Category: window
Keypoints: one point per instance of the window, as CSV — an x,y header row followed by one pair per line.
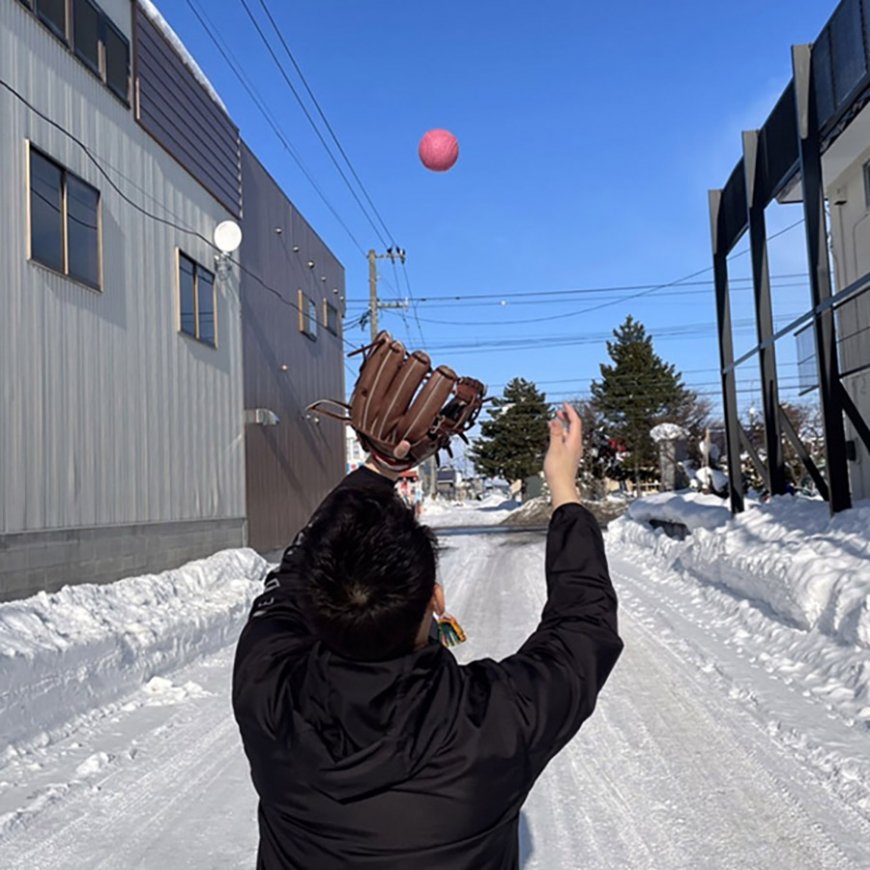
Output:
x,y
117,62
64,221
53,13
83,231
307,316
86,33
196,301
330,317
46,212
92,36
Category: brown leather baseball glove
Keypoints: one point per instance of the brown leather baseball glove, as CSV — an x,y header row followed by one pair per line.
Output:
x,y
399,398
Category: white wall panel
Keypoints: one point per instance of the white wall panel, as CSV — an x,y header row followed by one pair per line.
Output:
x,y
850,242
108,415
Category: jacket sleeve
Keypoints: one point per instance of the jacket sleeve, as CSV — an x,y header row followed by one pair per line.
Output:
x,y
277,628
557,674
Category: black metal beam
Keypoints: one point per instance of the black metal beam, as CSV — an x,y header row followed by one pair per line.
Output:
x,y
726,354
756,201
820,278
854,416
804,455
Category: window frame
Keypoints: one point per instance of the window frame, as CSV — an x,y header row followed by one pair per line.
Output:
x,y
866,175
46,22
98,69
109,25
197,268
105,25
327,307
64,174
307,315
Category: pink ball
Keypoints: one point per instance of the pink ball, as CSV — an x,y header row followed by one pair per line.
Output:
x,y
439,150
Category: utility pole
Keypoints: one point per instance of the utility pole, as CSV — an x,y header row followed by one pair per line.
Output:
x,y
392,255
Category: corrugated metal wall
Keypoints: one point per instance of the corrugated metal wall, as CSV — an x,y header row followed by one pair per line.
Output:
x,y
850,240
173,107
291,466
107,414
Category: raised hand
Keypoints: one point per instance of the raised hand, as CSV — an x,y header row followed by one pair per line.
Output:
x,y
563,456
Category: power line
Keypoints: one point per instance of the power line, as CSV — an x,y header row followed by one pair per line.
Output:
x,y
311,121
255,98
537,303
625,288
586,395
324,119
356,307
317,131
588,380
98,165
645,291
547,341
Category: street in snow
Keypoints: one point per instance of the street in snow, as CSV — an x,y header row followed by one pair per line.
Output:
x,y
725,737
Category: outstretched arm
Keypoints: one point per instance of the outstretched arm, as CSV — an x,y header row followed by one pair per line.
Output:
x,y
557,674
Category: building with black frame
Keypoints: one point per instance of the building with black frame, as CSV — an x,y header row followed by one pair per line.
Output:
x,y
814,148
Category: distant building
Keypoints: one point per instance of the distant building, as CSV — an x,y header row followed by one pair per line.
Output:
x,y
137,367
448,482
292,357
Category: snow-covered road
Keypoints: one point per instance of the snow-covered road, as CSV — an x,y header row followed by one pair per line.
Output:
x,y
697,756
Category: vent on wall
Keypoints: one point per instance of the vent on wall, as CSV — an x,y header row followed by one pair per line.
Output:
x,y
261,417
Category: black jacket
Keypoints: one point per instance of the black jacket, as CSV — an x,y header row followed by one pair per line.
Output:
x,y
417,762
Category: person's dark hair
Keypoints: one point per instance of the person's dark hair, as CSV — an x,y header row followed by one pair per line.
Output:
x,y
370,574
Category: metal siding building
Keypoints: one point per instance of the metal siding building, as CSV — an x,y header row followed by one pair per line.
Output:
x,y
846,166
289,466
811,149
121,439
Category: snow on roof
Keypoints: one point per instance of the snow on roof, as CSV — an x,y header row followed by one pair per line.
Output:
x,y
162,25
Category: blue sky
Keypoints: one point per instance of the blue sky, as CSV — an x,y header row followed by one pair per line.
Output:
x,y
589,135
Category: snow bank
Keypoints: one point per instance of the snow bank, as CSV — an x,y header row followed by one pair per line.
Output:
x,y
790,557
66,653
693,510
534,512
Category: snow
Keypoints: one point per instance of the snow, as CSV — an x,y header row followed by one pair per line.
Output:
x,y
693,510
668,432
712,478
809,569
66,653
735,730
442,513
172,37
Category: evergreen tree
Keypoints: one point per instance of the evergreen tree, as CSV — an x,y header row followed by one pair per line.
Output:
x,y
514,438
636,392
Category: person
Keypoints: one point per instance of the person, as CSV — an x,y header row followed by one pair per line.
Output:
x,y
369,745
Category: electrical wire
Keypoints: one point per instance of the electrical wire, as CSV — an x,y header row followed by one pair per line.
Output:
x,y
311,121
342,151
325,120
539,342
94,159
625,288
234,66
